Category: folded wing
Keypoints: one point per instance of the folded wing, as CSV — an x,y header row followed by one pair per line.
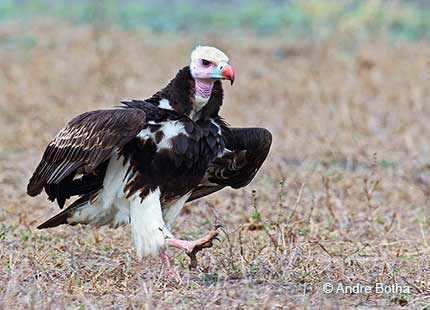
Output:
x,y
246,150
83,147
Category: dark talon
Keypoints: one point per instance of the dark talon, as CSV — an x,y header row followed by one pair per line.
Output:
x,y
193,260
217,239
219,226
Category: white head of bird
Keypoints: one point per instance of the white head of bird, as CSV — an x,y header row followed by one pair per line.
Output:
x,y
209,63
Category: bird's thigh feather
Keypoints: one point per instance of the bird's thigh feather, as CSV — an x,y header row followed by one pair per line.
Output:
x,y
148,228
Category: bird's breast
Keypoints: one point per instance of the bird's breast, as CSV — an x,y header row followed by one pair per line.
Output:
x,y
172,155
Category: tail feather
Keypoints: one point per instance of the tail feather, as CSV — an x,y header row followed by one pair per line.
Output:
x,y
61,218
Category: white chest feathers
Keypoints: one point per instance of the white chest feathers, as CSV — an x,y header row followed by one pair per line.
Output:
x,y
199,103
163,136
165,104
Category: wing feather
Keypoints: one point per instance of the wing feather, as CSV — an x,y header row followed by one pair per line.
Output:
x,y
87,141
247,149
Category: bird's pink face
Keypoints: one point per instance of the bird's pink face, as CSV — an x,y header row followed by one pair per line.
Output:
x,y
210,63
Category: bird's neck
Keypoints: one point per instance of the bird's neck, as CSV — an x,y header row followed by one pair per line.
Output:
x,y
210,106
203,92
203,88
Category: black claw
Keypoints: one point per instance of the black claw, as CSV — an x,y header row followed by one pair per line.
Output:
x,y
217,239
221,227
193,260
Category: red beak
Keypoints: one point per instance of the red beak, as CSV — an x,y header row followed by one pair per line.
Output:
x,y
228,74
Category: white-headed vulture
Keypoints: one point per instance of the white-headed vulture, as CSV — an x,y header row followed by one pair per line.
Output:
x,y
141,162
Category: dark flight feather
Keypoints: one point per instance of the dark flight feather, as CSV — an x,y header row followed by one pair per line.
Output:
x,y
247,150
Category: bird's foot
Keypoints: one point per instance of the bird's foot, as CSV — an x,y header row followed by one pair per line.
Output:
x,y
200,244
193,247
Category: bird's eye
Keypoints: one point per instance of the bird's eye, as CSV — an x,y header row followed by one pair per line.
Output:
x,y
205,62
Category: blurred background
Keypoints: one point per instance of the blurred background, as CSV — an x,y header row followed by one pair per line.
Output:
x,y
293,19
342,85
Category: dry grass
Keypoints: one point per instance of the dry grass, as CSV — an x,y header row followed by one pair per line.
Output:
x,y
343,197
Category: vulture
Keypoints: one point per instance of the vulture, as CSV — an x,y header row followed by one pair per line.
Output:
x,y
140,162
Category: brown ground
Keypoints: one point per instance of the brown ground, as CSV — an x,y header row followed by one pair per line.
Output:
x,y
343,196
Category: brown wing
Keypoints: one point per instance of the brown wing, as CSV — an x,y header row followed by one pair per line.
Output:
x,y
84,144
247,149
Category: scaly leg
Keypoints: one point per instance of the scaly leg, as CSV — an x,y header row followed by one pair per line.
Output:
x,y
194,246
166,266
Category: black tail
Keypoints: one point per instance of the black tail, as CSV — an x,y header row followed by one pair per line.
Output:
x,y
61,218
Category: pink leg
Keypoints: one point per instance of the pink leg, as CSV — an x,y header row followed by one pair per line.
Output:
x,y
165,260
179,244
166,266
193,247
